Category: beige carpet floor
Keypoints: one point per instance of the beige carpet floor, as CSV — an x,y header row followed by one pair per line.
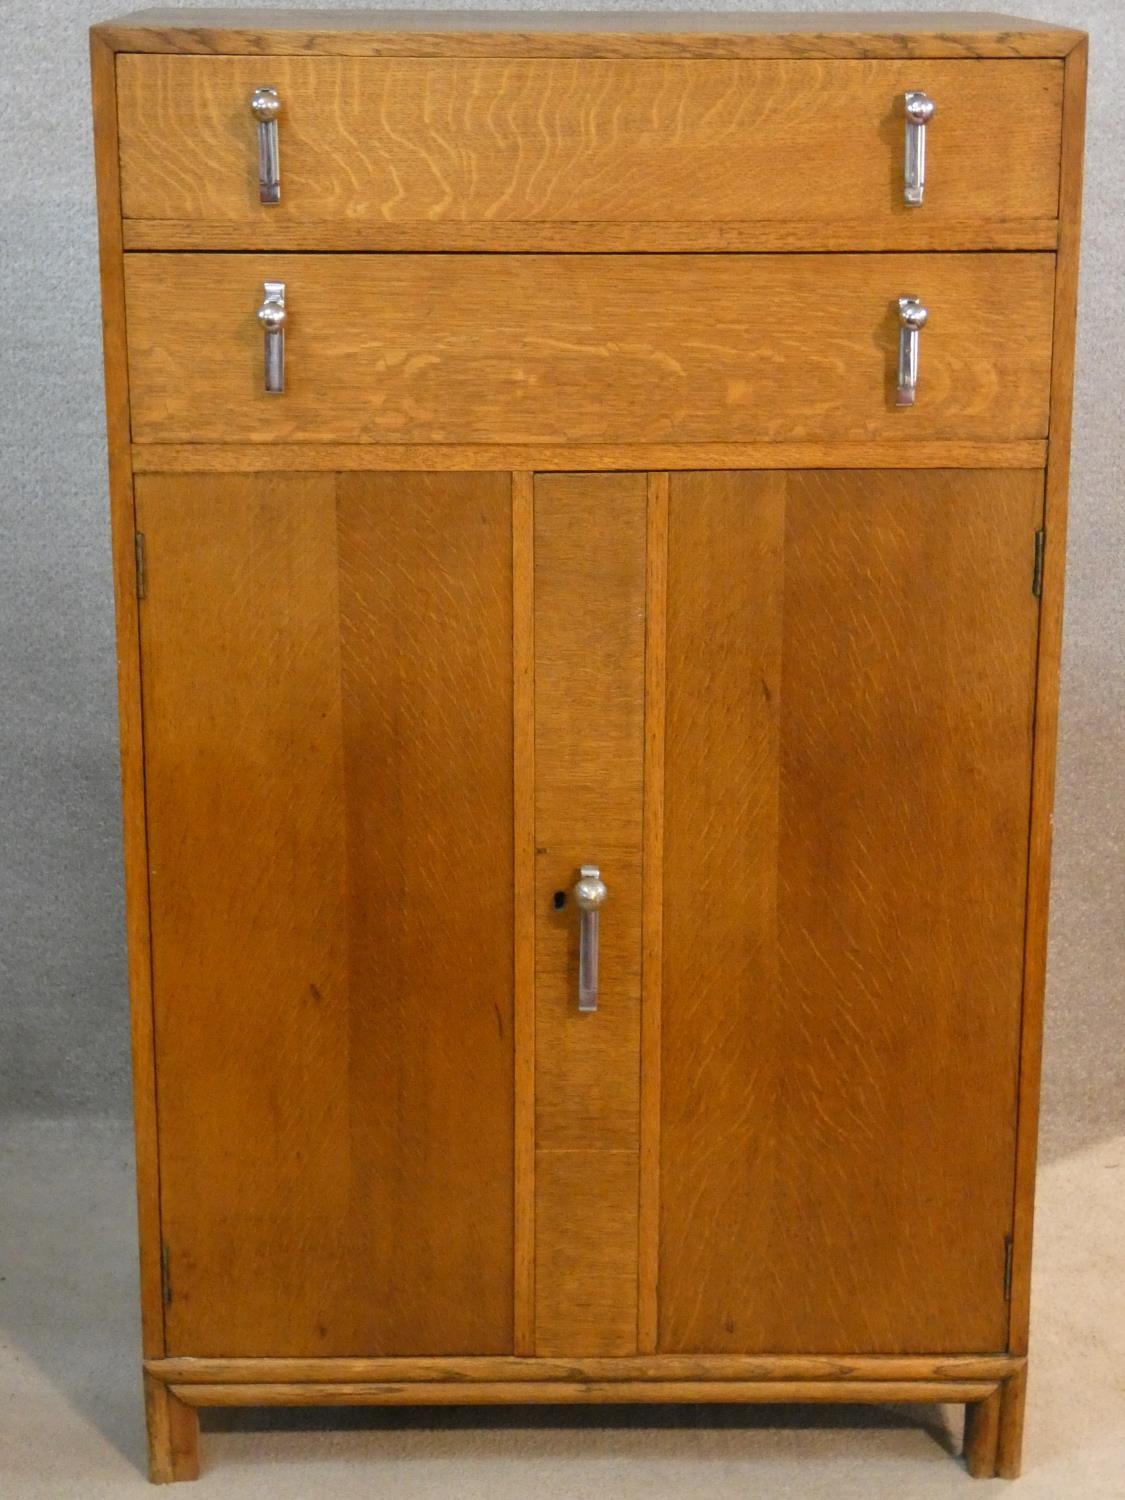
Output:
x,y
70,1414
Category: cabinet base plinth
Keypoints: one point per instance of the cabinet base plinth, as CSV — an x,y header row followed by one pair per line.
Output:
x,y
991,1387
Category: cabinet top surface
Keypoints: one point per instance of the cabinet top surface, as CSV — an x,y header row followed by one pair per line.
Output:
x,y
587,33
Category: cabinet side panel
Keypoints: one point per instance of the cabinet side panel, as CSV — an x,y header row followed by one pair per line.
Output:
x,y
328,706
1047,689
839,1095
123,529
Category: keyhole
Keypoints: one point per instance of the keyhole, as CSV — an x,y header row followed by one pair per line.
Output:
x,y
559,900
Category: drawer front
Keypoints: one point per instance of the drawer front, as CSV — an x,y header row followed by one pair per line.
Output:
x,y
587,348
539,141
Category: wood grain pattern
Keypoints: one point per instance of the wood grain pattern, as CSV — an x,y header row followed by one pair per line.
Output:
x,y
850,663
584,34
586,1251
426,601
328,707
890,233
589,767
720,951
587,348
228,458
608,1392
656,1367
130,724
584,140
1046,726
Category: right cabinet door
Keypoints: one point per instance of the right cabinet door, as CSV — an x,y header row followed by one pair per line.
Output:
x,y
847,771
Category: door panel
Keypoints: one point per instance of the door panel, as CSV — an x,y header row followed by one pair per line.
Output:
x,y
327,669
589,762
850,666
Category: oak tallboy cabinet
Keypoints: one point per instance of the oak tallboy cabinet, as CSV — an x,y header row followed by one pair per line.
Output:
x,y
588,506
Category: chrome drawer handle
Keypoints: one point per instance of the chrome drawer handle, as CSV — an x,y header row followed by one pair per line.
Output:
x,y
589,894
919,113
271,315
912,319
265,106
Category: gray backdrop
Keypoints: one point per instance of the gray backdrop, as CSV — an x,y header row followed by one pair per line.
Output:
x,y
63,1006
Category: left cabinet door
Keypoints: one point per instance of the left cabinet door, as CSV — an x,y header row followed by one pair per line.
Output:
x,y
327,685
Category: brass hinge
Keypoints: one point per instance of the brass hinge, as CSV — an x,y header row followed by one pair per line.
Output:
x,y
165,1277
1037,569
139,549
1007,1268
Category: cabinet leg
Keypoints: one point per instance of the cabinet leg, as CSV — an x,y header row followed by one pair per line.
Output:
x,y
982,1434
1013,1395
173,1435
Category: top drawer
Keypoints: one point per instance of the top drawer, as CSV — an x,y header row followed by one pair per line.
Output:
x,y
412,151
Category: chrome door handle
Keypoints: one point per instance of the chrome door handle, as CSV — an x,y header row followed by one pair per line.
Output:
x,y
265,106
919,113
589,895
271,315
912,319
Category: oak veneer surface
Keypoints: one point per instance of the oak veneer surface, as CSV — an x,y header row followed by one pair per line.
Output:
x,y
584,349
327,671
586,140
850,692
589,767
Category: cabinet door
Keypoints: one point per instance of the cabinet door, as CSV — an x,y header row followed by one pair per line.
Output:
x,y
327,669
850,663
590,579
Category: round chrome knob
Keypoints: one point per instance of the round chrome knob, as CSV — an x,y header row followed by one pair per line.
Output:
x,y
265,104
590,891
271,315
911,313
919,108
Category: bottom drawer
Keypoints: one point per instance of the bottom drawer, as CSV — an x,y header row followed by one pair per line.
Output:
x,y
587,348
